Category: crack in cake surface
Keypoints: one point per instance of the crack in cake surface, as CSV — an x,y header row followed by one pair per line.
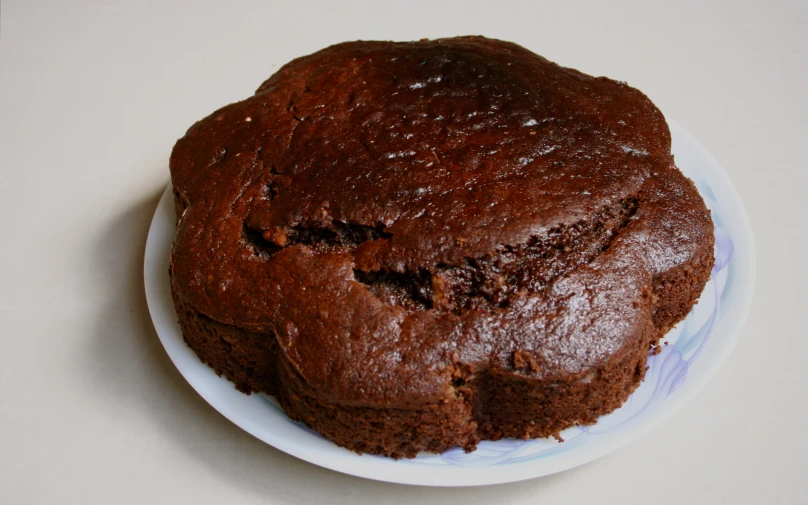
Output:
x,y
483,283
339,237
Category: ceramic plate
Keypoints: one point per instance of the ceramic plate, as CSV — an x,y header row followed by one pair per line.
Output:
x,y
696,348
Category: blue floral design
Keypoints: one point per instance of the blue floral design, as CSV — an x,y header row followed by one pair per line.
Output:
x,y
488,453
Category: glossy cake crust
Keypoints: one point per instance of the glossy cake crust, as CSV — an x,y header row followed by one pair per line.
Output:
x,y
415,246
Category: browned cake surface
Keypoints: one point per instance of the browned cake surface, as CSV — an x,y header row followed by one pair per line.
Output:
x,y
415,246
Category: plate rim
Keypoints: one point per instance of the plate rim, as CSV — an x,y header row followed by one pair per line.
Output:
x,y
379,468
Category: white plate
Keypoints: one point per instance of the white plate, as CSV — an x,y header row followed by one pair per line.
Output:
x,y
696,349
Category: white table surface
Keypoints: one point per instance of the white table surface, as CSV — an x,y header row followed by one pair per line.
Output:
x,y
92,97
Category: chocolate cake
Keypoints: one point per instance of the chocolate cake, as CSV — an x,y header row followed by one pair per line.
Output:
x,y
415,246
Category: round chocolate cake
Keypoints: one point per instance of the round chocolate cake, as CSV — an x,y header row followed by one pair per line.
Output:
x,y
416,246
